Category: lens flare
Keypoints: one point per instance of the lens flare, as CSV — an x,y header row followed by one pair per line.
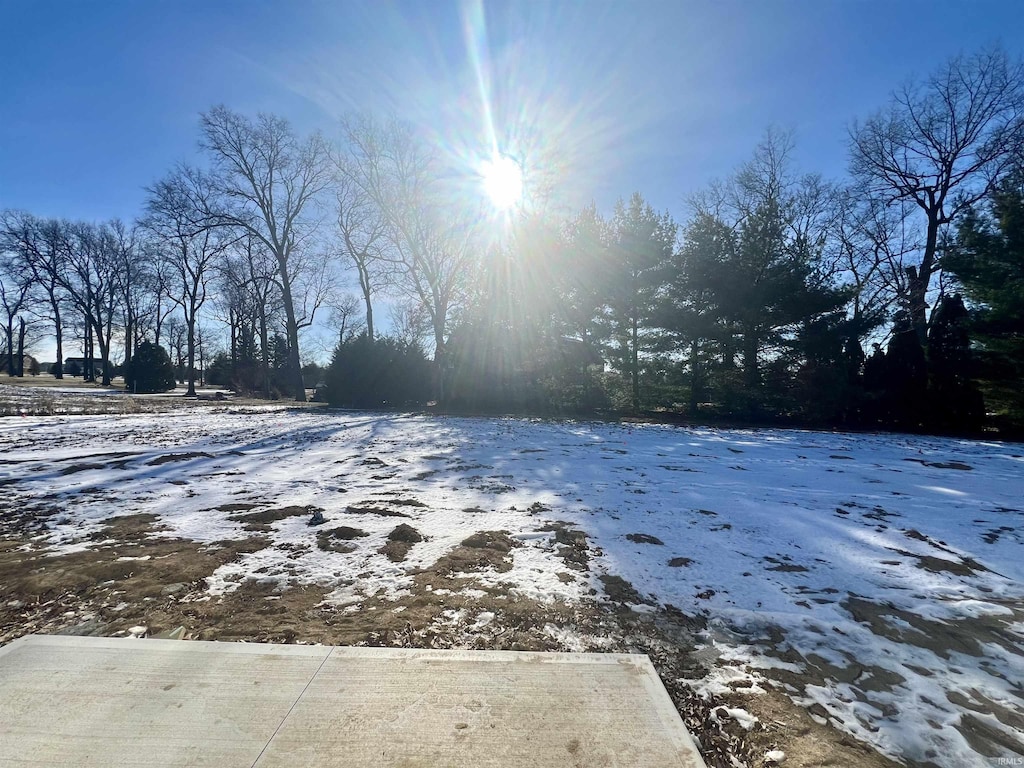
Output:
x,y
502,180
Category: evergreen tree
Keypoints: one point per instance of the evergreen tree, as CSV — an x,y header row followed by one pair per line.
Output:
x,y
383,372
987,259
640,242
904,376
150,370
688,311
956,402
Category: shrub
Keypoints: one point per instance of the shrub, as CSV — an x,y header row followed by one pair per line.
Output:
x,y
384,372
150,370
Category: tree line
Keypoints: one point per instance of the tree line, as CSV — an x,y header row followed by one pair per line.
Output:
x,y
890,298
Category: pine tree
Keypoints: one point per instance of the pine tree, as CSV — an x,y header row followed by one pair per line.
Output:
x,y
639,244
955,401
150,370
987,259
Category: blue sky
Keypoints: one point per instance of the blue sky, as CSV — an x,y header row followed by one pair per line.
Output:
x,y
99,99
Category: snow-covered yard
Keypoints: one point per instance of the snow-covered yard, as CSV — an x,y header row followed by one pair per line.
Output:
x,y
878,579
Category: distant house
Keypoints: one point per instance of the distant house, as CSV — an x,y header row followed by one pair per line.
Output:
x,y
74,366
29,363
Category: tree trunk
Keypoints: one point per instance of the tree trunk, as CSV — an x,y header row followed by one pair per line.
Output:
x,y
751,372
439,352
21,349
728,349
919,279
695,378
9,330
104,345
190,322
88,372
294,366
104,337
129,339
265,353
634,364
233,324
58,370
364,284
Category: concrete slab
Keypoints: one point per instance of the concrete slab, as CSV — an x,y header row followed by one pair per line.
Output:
x,y
112,702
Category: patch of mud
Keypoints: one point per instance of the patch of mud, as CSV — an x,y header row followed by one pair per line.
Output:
x,y
369,509
959,565
337,539
784,565
96,593
619,590
483,550
171,457
943,464
260,521
131,568
235,507
968,636
76,468
400,541
572,545
644,538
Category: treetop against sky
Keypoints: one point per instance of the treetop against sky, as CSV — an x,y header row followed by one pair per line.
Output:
x,y
599,98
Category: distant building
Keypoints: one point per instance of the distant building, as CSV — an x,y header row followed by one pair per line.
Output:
x,y
74,366
29,363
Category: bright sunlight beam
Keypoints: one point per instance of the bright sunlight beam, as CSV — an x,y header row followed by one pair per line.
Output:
x,y
503,181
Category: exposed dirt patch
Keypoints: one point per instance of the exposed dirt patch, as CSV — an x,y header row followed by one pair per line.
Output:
x,y
363,509
235,507
679,562
170,457
943,464
643,538
785,565
807,744
260,521
573,547
482,550
406,503
75,468
619,590
399,542
96,593
337,539
95,588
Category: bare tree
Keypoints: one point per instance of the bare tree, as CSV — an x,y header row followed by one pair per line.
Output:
x,y
269,181
364,230
90,277
345,316
132,281
40,246
254,301
942,143
159,280
869,244
15,283
175,215
433,243
410,322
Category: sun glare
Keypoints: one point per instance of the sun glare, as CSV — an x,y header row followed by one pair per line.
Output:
x,y
503,181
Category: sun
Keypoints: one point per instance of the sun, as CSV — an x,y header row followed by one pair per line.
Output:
x,y
502,179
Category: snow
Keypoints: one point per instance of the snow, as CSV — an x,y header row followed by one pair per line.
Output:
x,y
829,562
